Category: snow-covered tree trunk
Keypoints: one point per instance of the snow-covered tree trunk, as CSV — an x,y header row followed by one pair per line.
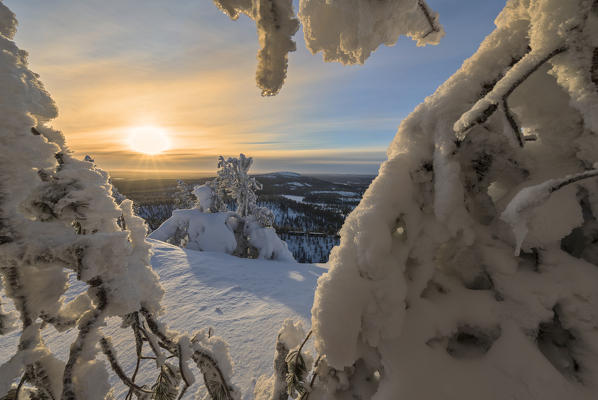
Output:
x,y
425,297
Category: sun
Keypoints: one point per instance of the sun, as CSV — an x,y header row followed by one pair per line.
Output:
x,y
149,139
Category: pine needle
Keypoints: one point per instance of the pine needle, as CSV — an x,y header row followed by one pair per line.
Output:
x,y
167,384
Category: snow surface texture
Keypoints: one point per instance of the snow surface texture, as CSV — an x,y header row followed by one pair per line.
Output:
x,y
347,31
425,298
244,301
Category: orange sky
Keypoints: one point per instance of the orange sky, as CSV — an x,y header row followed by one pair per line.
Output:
x,y
112,65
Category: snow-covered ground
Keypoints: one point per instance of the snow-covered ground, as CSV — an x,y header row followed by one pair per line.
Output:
x,y
298,199
245,301
339,192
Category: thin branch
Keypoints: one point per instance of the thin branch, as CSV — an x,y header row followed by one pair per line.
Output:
x,y
594,68
153,345
109,352
574,178
138,351
534,68
461,126
426,11
21,383
183,392
181,368
305,395
511,119
304,341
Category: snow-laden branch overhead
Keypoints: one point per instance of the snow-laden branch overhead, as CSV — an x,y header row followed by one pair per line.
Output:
x,y
347,31
276,24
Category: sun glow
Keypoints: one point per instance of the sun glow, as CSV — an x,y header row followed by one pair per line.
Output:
x,y
150,140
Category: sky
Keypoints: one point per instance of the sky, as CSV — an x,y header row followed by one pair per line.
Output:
x,y
116,65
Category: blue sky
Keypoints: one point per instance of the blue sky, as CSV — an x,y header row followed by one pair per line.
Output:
x,y
185,66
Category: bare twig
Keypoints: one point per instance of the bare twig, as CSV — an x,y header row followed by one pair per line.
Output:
x,y
181,368
109,352
21,383
426,11
594,69
573,178
305,395
138,350
511,119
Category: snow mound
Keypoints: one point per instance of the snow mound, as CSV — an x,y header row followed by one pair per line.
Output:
x,y
220,232
205,231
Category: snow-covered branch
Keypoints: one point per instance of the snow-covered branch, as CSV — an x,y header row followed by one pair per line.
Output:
x,y
347,31
499,95
520,208
110,354
276,24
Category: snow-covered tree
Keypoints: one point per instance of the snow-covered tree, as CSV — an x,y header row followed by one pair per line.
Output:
x,y
58,223
183,196
347,31
470,268
233,179
246,232
116,195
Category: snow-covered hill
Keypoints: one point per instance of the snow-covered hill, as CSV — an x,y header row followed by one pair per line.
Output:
x,y
245,301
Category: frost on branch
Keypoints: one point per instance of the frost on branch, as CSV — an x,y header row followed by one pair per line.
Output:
x,y
424,298
276,24
347,31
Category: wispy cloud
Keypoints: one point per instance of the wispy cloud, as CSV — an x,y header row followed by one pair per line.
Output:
x,y
113,64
